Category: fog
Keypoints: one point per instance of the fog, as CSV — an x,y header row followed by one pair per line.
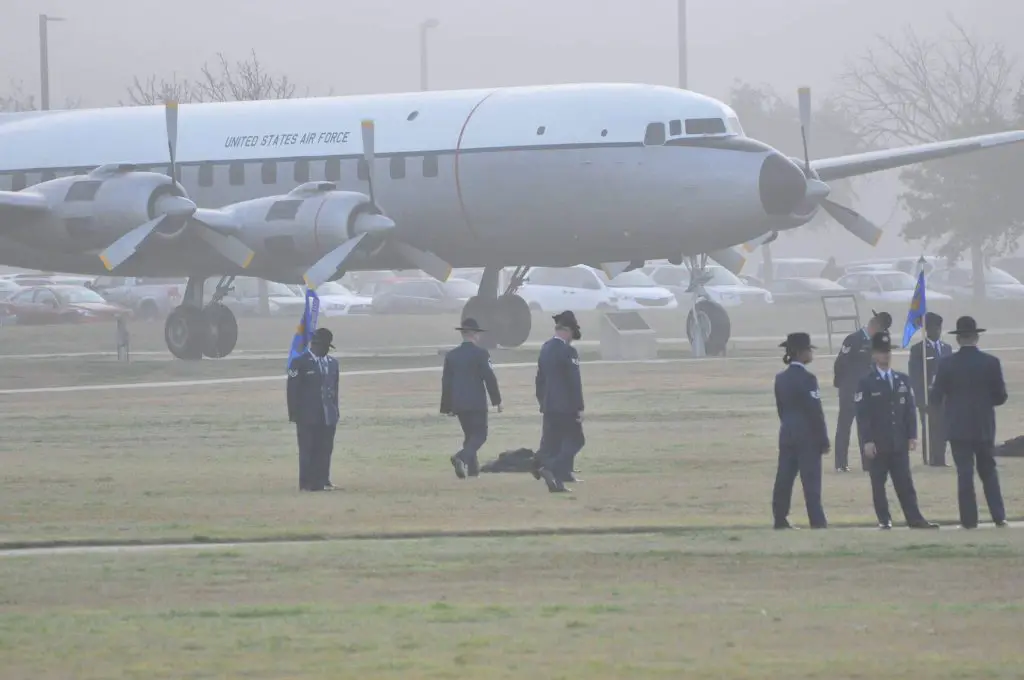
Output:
x,y
360,46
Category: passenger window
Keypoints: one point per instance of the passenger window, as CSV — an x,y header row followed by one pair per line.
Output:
x,y
398,167
705,126
18,181
332,170
236,174
541,130
430,165
48,175
675,128
268,172
206,175
362,170
301,171
655,135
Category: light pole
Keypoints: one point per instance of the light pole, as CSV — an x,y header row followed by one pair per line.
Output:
x,y
424,27
682,44
44,61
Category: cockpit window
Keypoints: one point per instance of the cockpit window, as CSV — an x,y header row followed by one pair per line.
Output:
x,y
655,135
675,128
705,126
735,127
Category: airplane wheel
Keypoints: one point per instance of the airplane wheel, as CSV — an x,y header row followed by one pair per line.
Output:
x,y
222,333
185,332
715,325
513,321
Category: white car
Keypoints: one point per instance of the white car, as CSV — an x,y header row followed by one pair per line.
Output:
x,y
337,300
583,288
887,285
725,288
959,282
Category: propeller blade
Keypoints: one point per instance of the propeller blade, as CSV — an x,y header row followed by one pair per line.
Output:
x,y
124,247
426,262
372,223
368,140
228,246
171,114
328,265
817,190
613,269
730,258
853,222
754,244
804,100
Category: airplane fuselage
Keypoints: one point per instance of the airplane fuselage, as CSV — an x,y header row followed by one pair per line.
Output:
x,y
548,176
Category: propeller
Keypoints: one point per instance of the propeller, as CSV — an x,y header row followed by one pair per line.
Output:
x,y
373,229
817,191
171,208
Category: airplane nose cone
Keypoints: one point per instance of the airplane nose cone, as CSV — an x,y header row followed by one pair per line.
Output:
x,y
782,185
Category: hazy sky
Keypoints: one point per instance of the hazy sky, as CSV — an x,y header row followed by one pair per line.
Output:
x,y
358,46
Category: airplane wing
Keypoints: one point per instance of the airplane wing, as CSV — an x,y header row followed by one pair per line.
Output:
x,y
18,203
875,161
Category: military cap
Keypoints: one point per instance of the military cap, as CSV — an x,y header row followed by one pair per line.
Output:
x,y
932,320
881,342
884,319
966,325
323,335
566,320
796,342
469,324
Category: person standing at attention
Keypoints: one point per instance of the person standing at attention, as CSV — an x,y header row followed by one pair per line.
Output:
x,y
887,424
313,407
934,444
560,396
969,385
852,363
466,382
803,434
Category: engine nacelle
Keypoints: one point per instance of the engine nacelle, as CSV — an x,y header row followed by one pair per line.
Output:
x,y
91,211
302,225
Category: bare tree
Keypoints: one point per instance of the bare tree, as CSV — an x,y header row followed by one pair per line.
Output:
x,y
19,100
242,81
156,91
917,91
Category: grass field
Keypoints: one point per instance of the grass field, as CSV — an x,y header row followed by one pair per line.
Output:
x,y
681,445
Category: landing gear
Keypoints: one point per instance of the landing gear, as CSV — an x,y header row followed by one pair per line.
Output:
x,y
506,317
193,331
707,325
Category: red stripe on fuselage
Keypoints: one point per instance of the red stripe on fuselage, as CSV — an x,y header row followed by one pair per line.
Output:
x,y
458,149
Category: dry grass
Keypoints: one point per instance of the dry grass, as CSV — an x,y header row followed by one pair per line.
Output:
x,y
668,444
741,604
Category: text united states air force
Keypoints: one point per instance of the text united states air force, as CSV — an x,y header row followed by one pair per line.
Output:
x,y
322,138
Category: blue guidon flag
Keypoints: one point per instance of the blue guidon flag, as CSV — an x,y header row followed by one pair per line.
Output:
x,y
307,326
918,308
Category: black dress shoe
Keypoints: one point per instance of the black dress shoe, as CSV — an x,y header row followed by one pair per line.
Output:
x,y
1002,524
923,524
885,525
460,467
785,525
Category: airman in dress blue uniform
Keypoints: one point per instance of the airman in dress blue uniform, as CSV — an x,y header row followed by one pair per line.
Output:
x,y
933,447
466,382
852,363
803,434
313,407
887,424
969,385
560,396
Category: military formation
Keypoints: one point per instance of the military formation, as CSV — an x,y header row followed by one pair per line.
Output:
x,y
953,394
949,395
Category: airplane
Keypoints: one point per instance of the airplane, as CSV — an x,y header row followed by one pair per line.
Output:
x,y
292,191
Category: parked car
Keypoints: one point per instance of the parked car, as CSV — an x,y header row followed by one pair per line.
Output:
x,y
794,291
423,296
149,298
45,305
636,291
337,300
959,282
793,268
886,285
582,288
725,288
244,297
8,288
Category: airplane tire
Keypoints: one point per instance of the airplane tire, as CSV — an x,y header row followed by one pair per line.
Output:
x,y
185,332
514,321
713,317
222,331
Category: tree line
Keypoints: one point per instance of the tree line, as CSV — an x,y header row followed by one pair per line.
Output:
x,y
905,89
